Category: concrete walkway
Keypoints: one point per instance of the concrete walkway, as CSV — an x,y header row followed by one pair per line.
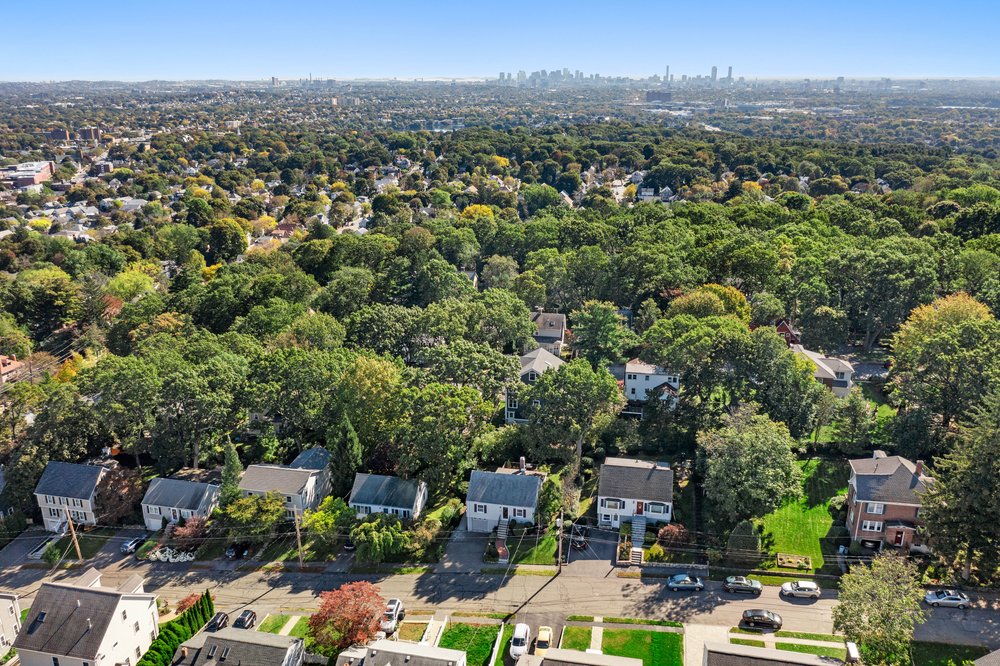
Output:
x,y
597,634
287,629
433,632
695,637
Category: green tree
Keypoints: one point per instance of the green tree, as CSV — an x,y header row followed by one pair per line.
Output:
x,y
855,423
232,470
346,455
331,522
14,341
600,334
824,328
749,467
879,607
129,389
225,240
499,272
379,538
255,515
472,364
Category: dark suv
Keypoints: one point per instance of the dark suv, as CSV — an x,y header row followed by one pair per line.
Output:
x,y
218,621
735,584
246,620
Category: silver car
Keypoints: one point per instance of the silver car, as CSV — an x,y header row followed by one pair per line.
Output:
x,y
680,582
948,598
801,588
393,615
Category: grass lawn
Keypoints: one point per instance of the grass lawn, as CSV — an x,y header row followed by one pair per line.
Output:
x,y
818,650
803,527
508,633
833,638
272,624
580,618
475,639
576,638
24,613
882,407
411,631
651,623
653,647
939,654
91,541
747,641
533,549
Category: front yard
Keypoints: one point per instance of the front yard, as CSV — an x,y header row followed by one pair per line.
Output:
x,y
91,541
576,638
661,648
943,654
806,527
476,639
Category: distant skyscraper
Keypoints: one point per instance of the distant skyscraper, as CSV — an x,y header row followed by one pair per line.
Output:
x,y
715,74
729,75
666,76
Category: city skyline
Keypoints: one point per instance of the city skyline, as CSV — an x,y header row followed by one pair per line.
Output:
x,y
448,40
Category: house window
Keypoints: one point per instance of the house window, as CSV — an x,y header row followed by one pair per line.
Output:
x,y
536,403
633,390
138,652
875,508
479,508
871,526
532,376
288,500
520,513
136,627
511,415
406,514
630,376
124,615
839,375
656,508
55,661
155,510
512,402
613,504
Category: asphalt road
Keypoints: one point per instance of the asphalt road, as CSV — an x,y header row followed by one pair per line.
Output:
x,y
525,596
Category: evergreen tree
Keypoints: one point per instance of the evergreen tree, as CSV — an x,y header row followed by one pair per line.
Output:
x,y
342,441
232,470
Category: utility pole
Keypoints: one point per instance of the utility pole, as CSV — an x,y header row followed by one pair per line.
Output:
x,y
72,533
560,525
298,539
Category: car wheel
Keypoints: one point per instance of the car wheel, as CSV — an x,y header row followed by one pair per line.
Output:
x,y
676,589
936,605
961,607
698,589
751,624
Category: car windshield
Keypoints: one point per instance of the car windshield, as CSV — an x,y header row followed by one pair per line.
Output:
x,y
517,642
388,615
940,594
543,644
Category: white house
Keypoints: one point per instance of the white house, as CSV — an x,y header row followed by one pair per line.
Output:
x,y
82,623
834,373
375,493
629,489
533,365
550,331
240,647
67,487
501,495
10,621
171,500
300,488
644,381
384,652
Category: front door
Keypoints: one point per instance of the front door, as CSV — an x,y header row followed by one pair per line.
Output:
x,y
899,538
638,508
506,513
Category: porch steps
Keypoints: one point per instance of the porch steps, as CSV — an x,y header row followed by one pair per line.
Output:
x,y
503,528
635,555
638,538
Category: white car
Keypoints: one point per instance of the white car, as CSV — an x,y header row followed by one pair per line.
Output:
x,y
393,614
520,641
801,588
949,598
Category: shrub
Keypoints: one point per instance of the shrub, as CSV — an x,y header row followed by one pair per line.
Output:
x,y
188,602
656,553
672,535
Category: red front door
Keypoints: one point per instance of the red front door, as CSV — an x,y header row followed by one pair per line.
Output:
x,y
638,508
899,538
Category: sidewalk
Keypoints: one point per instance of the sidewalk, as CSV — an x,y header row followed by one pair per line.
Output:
x,y
695,637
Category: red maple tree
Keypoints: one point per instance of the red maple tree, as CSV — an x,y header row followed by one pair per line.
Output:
x,y
349,615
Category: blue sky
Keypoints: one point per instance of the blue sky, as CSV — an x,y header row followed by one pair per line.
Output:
x,y
256,39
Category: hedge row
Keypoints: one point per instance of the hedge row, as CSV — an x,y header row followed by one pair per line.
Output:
x,y
172,634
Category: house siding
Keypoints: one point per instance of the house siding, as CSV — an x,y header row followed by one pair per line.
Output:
x,y
10,622
414,511
486,520
629,509
153,514
899,537
54,508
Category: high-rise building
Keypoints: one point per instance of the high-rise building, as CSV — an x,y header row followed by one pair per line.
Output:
x,y
729,75
715,74
666,76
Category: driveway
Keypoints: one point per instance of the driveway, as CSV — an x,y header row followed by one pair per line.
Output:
x,y
110,553
464,552
597,558
16,552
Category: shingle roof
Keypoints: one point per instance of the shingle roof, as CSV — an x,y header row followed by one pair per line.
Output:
x,y
376,489
61,479
539,360
890,479
636,479
315,458
180,494
549,325
283,480
560,657
720,654
246,648
393,653
991,659
504,489
75,620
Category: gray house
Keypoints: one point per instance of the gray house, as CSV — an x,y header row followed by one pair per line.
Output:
x,y
174,499
300,488
550,331
384,652
375,493
634,489
501,495
240,648
317,459
67,487
10,621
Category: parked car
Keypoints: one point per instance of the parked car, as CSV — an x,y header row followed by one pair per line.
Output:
x,y
349,546
759,617
580,534
132,545
948,598
218,621
246,620
801,588
520,641
680,582
543,641
735,584
393,614
238,551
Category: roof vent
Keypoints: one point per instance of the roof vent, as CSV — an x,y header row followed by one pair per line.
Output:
x,y
211,651
77,603
41,617
89,625
225,653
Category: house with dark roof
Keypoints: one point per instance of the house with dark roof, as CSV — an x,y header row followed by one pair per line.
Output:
x,y
563,657
301,488
834,373
384,652
68,488
533,365
317,459
240,647
80,622
167,501
550,331
883,501
10,621
726,654
629,489
504,495
376,493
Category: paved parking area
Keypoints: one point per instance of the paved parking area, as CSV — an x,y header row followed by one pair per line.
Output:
x,y
464,552
16,552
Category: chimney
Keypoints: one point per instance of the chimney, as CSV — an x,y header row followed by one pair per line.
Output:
x,y
77,603
919,471
184,652
878,453
89,625
523,465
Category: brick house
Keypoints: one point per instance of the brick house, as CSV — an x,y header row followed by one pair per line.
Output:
x,y
883,501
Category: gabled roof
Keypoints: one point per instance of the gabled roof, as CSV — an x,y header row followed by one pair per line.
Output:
x,y
315,458
539,360
724,654
504,489
636,479
379,490
891,479
641,367
549,325
384,652
62,479
180,494
241,647
283,480
71,620
561,657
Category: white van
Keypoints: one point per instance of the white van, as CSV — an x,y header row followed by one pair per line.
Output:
x,y
520,641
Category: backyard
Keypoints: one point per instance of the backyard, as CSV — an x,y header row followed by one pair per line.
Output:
x,y
475,639
806,526
653,647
